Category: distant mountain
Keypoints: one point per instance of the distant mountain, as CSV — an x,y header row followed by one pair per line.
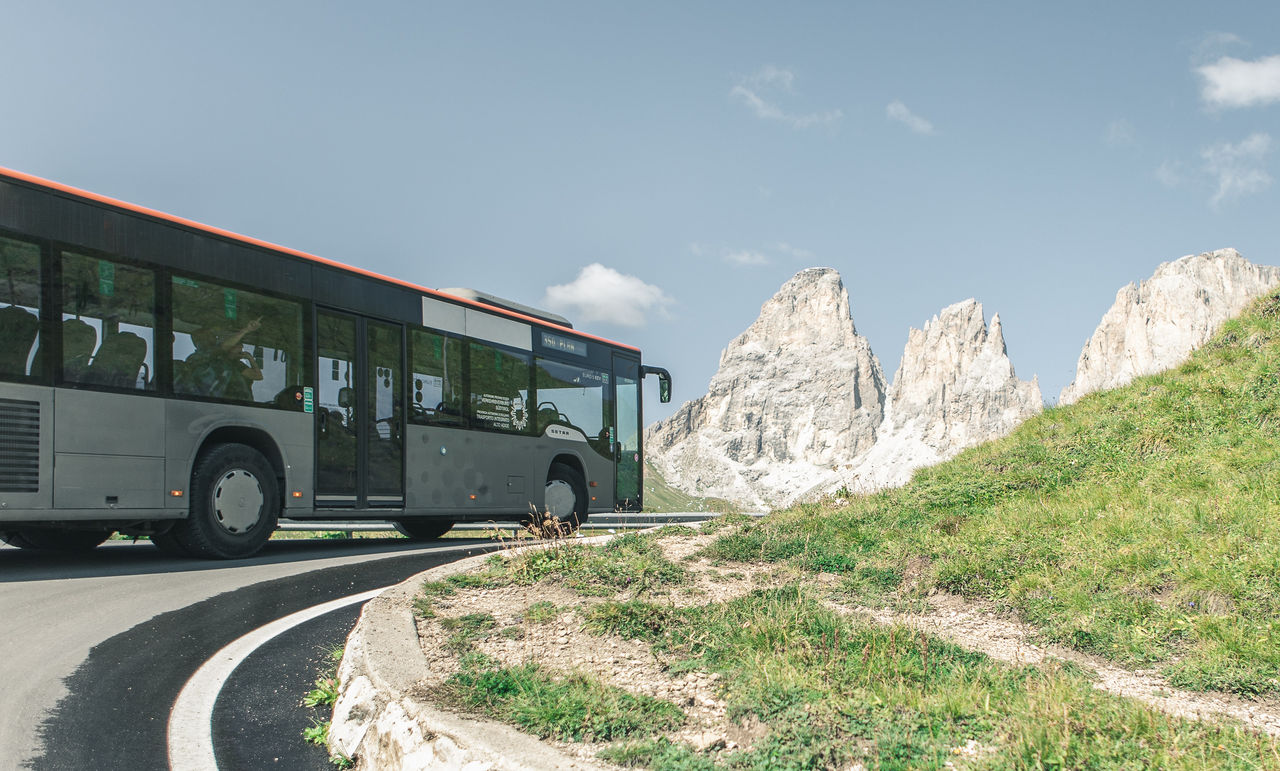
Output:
x,y
955,388
796,394
1156,324
800,403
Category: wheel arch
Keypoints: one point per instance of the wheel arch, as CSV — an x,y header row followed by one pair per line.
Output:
x,y
250,437
571,460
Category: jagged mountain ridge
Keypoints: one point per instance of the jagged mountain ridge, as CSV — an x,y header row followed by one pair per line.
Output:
x,y
800,397
1155,324
955,388
795,393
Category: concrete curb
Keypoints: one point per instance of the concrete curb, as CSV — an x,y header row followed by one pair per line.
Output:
x,y
379,721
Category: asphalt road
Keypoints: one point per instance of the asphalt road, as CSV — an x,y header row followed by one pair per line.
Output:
x,y
97,647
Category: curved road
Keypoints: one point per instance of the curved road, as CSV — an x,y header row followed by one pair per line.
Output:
x,y
97,647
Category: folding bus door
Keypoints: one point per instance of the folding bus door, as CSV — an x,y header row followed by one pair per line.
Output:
x,y
359,412
627,457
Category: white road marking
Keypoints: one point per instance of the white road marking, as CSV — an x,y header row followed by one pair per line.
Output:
x,y
191,721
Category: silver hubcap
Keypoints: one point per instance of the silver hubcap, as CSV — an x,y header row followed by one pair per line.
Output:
x,y
237,501
559,498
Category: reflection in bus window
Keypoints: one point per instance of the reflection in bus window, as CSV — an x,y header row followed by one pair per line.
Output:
x,y
384,393
576,397
627,385
499,389
437,390
237,345
116,302
19,309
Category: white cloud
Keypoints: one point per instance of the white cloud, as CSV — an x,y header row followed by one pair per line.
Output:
x,y
1216,44
761,90
1119,133
1231,82
898,111
770,75
746,257
1238,169
604,294
794,251
1169,173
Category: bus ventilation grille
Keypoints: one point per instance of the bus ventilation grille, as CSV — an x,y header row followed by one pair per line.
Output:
x,y
19,446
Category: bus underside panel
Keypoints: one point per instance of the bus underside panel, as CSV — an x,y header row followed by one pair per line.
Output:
x,y
87,456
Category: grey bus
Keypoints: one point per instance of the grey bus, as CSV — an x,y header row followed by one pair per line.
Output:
x,y
165,379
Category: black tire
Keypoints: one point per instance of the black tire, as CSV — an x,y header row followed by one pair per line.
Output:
x,y
424,529
168,544
235,504
555,502
55,539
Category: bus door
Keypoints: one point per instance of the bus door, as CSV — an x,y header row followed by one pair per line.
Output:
x,y
627,459
359,412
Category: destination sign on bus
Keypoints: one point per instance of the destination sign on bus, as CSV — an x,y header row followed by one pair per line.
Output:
x,y
564,344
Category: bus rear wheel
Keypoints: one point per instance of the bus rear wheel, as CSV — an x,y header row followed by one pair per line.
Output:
x,y
424,529
565,496
53,539
235,504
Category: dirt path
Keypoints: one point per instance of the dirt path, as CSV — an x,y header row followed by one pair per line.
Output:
x,y
978,627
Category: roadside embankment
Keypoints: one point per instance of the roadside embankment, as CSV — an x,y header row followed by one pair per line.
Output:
x,y
381,719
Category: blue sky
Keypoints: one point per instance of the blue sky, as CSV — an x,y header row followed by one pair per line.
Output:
x,y
698,154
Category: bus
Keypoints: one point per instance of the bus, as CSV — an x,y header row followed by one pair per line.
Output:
x,y
162,378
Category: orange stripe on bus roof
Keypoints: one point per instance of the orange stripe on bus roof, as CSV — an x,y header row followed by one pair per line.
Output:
x,y
31,178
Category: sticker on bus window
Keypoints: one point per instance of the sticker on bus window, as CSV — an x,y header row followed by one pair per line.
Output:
x,y
229,303
106,278
308,400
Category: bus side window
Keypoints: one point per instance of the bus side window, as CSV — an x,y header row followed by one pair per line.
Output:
x,y
236,345
19,309
436,389
108,312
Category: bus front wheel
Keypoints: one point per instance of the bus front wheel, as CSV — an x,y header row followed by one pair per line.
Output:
x,y
565,497
235,504
423,529
51,539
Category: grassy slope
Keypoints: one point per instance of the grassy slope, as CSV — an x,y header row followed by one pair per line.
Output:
x,y
661,497
1142,524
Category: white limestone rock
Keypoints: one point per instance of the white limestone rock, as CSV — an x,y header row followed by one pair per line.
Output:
x,y
1156,324
955,388
798,393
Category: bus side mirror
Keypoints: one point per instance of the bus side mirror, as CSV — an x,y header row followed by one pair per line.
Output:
x,y
664,382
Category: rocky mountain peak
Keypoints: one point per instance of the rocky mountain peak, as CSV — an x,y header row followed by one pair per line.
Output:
x,y
954,388
798,391
810,309
800,402
1155,324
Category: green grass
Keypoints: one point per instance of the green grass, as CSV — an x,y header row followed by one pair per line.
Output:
x,y
568,707
833,691
465,630
1141,524
628,563
319,702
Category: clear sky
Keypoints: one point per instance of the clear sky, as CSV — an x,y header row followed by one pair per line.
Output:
x,y
657,170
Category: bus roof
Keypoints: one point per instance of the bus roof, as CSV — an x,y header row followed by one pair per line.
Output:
x,y
184,222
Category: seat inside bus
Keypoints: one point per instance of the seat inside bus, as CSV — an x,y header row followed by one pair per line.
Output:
x,y
118,361
18,328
